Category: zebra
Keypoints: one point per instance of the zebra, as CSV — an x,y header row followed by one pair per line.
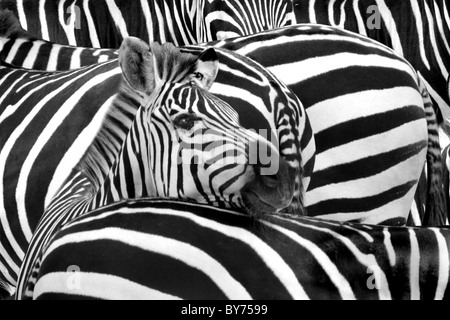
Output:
x,y
417,29
52,120
192,251
105,23
20,48
328,194
96,183
172,149
332,58
203,21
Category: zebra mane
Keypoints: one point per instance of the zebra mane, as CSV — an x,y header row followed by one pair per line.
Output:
x,y
10,26
5,288
102,153
174,63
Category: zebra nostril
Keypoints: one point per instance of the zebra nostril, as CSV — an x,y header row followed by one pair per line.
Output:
x,y
270,181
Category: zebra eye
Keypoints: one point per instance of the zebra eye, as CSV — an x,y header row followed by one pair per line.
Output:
x,y
197,78
186,121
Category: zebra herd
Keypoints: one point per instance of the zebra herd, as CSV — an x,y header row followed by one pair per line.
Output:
x,y
224,149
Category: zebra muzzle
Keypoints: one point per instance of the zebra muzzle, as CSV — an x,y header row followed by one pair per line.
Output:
x,y
270,192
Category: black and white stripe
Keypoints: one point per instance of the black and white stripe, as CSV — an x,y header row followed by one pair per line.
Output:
x,y
138,161
417,29
20,48
105,23
366,105
342,53
189,251
44,131
58,115
43,55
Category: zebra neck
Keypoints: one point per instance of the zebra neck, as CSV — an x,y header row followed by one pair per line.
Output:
x,y
130,176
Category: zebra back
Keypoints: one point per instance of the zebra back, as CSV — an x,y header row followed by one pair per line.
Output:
x,y
331,57
22,49
56,117
265,46
105,23
187,251
419,30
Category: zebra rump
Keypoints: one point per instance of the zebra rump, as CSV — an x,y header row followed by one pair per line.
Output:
x,y
106,23
340,72
159,249
21,48
419,30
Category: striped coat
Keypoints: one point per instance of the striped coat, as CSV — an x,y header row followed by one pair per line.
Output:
x,y
419,30
343,53
187,251
105,23
347,84
53,123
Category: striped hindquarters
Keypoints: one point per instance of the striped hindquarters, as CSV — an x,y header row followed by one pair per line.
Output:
x,y
367,114
46,120
22,49
184,251
105,23
229,19
419,30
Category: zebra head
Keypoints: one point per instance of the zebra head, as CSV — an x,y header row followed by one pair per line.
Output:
x,y
189,143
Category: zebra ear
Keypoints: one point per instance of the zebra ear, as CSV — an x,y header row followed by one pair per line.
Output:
x,y
137,64
207,68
